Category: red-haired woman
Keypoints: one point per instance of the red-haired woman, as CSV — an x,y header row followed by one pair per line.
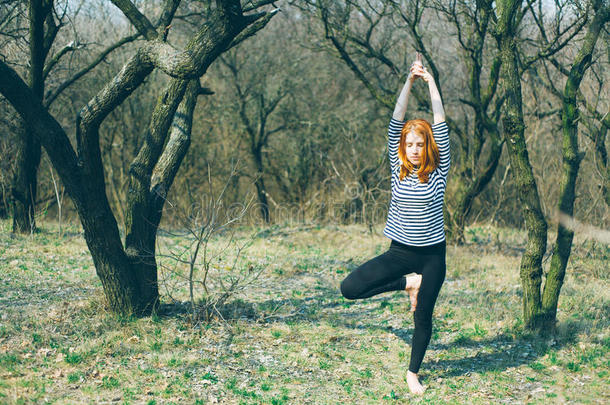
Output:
x,y
419,159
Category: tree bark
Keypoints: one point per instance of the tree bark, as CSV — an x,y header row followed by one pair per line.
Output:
x,y
513,132
571,158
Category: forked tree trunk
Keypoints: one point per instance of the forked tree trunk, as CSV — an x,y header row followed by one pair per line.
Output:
x,y
571,163
128,274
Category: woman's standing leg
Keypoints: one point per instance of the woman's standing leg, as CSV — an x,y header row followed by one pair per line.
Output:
x,y
433,276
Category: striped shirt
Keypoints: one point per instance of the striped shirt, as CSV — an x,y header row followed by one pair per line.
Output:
x,y
415,216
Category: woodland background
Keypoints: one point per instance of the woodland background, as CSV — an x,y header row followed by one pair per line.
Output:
x,y
322,153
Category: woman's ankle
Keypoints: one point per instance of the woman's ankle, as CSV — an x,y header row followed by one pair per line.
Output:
x,y
413,382
413,282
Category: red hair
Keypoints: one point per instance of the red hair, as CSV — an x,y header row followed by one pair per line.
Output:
x,y
430,157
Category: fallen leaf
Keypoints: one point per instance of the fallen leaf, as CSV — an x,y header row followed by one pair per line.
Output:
x,y
133,339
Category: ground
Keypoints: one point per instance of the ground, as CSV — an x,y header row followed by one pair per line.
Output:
x,y
290,337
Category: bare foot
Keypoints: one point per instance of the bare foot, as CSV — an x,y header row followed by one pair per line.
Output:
x,y
414,386
413,283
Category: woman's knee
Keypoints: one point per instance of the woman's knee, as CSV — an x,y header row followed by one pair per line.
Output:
x,y
348,289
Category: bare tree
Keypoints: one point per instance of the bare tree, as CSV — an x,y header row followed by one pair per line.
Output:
x,y
596,119
598,133
510,15
571,155
45,21
257,102
128,272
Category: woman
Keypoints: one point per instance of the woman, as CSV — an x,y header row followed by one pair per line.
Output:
x,y
419,159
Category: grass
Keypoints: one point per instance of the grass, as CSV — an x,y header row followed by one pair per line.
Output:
x,y
291,338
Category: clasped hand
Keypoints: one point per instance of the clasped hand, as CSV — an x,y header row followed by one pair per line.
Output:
x,y
418,70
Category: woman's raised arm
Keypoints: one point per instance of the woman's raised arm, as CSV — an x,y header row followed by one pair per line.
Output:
x,y
437,103
397,120
401,104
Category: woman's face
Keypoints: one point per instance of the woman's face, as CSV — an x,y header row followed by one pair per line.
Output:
x,y
415,148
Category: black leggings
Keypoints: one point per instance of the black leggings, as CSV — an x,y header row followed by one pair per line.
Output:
x,y
386,272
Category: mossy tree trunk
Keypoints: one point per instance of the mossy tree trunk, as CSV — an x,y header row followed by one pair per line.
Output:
x,y
571,158
513,132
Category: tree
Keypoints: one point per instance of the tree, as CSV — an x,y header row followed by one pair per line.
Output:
x,y
472,22
45,23
598,135
538,311
128,272
509,16
571,158
256,103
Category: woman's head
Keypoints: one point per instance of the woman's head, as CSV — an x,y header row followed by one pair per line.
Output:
x,y
417,150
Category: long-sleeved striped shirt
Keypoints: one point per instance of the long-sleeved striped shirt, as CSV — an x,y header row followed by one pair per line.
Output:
x,y
415,216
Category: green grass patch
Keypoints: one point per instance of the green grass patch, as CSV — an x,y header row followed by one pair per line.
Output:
x,y
302,342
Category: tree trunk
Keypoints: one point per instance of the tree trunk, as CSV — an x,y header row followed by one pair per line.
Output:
x,y
24,186
141,230
513,132
28,147
261,191
571,163
473,189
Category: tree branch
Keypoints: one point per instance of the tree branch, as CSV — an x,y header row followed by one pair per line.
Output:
x,y
138,19
51,64
176,148
261,21
52,27
550,48
253,5
167,15
44,126
51,96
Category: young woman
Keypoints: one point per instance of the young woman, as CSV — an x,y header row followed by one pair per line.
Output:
x,y
419,159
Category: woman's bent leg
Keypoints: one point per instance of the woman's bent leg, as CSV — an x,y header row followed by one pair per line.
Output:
x,y
380,274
